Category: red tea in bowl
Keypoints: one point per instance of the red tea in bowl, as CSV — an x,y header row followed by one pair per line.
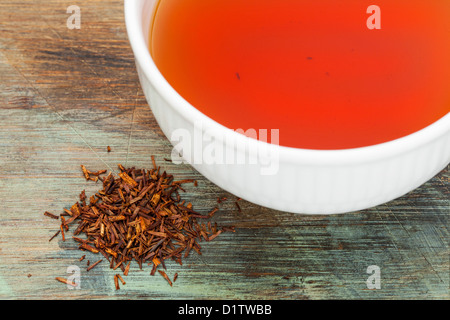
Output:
x,y
328,74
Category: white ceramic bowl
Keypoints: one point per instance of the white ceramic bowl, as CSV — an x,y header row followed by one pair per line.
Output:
x,y
305,181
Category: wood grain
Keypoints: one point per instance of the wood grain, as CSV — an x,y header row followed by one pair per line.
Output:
x,y
68,94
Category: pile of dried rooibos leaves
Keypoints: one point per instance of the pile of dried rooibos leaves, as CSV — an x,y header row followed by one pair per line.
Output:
x,y
138,216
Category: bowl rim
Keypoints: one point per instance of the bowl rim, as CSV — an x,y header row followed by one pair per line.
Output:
x,y
133,22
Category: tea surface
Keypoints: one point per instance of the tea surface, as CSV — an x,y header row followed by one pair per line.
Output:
x,y
312,69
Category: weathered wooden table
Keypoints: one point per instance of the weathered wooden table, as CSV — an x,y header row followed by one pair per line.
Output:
x,y
66,94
